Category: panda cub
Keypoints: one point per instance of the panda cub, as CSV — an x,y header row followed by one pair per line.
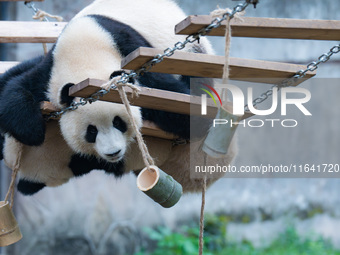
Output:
x,y
96,136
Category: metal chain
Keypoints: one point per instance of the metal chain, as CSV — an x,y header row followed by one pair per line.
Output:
x,y
217,22
298,75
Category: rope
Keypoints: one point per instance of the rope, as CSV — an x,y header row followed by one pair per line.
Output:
x,y
10,192
204,189
41,15
218,13
114,82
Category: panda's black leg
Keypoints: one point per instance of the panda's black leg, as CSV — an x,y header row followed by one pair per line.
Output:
x,y
29,188
178,124
20,115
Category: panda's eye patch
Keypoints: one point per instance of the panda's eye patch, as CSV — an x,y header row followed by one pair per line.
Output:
x,y
91,134
119,124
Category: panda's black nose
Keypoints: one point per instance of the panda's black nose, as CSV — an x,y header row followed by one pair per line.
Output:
x,y
113,154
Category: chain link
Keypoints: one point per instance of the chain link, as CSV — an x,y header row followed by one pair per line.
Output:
x,y
298,75
217,22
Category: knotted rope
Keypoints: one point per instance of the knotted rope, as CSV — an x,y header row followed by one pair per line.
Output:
x,y
10,193
115,83
217,13
41,15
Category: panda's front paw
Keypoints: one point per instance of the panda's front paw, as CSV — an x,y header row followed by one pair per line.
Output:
x,y
64,94
121,72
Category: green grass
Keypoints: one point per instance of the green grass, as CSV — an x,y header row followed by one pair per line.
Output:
x,y
185,242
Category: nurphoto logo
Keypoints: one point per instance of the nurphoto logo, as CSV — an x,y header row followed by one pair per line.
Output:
x,y
239,102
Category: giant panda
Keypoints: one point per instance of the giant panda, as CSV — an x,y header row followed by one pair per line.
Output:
x,y
95,136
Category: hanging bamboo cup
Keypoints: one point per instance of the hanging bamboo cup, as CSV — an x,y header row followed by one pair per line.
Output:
x,y
217,143
159,186
9,229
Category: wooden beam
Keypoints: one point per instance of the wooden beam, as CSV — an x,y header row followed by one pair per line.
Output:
x,y
148,129
152,98
266,28
30,31
203,65
148,98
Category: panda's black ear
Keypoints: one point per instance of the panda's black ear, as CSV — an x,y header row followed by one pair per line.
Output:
x,y
120,72
64,95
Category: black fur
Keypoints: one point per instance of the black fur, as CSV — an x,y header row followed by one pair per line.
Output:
x,y
119,124
81,165
120,72
29,188
18,70
65,98
91,134
127,40
23,88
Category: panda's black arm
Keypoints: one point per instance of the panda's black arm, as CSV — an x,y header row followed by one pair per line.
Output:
x,y
18,70
20,114
81,165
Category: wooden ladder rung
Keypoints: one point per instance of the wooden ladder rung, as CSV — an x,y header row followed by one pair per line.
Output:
x,y
148,98
30,31
266,28
151,98
148,129
203,65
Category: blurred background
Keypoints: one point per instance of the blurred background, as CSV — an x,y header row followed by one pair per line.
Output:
x,y
97,214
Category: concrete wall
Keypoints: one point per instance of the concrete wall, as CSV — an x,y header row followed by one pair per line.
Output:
x,y
91,216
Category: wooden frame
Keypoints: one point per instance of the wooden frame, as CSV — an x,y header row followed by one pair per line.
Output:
x,y
266,28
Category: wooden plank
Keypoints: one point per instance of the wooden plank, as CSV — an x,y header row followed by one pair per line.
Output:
x,y
148,98
152,98
203,65
30,31
148,129
266,28
5,65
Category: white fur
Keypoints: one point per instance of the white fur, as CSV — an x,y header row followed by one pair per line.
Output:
x,y
109,139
